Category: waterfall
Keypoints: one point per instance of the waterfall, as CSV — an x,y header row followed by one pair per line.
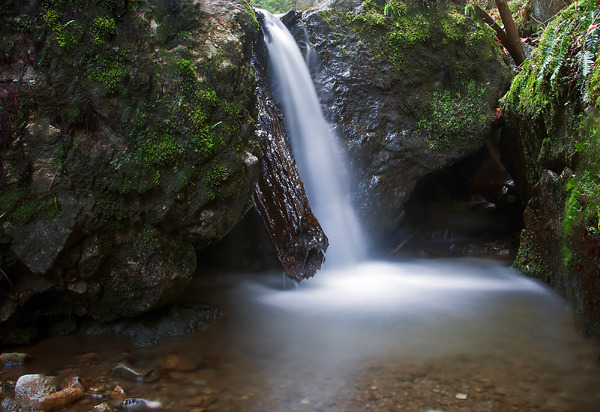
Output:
x,y
314,144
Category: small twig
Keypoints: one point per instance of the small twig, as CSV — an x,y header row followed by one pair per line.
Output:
x,y
401,245
7,279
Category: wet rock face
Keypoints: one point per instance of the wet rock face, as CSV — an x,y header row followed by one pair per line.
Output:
x,y
126,142
389,87
554,123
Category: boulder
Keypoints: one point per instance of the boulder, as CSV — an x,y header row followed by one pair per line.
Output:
x,y
127,143
408,95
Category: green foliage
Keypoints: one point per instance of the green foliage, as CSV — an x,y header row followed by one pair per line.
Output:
x,y
103,29
455,117
281,6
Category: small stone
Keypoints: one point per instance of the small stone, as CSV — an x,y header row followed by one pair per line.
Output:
x,y
118,393
139,404
461,396
126,371
103,407
14,358
177,364
304,401
77,382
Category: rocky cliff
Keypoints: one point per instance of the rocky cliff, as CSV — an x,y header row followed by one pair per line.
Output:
x,y
552,110
126,142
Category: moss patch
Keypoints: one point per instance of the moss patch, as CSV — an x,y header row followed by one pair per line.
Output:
x,y
455,116
438,58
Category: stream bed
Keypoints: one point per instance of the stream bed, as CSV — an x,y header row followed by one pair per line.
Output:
x,y
419,335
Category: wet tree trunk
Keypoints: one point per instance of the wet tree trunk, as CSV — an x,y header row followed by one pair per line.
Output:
x,y
280,196
509,36
514,45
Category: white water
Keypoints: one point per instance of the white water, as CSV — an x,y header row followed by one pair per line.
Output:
x,y
314,145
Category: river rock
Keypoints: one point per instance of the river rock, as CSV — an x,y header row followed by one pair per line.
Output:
x,y
103,407
118,393
126,371
170,321
148,271
384,84
139,404
30,388
14,358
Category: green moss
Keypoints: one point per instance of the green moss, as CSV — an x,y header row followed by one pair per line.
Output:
x,y
453,25
455,117
528,259
110,68
157,109
216,176
582,210
103,29
19,205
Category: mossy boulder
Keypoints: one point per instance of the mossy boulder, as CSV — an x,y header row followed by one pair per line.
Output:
x,y
411,87
119,119
552,109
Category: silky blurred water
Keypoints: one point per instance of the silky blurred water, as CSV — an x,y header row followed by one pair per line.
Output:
x,y
417,331
315,147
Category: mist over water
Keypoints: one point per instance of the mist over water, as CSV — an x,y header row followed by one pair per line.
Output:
x,y
314,145
318,334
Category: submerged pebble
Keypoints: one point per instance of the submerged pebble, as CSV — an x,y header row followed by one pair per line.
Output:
x,y
139,404
177,364
14,358
103,407
126,371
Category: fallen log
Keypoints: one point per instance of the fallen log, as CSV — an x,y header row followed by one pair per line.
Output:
x,y
280,195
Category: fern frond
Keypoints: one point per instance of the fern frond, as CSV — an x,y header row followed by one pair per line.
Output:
x,y
553,43
587,63
591,40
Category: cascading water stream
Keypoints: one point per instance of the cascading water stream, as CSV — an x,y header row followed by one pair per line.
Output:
x,y
314,144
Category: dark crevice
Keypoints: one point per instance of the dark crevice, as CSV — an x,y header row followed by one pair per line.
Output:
x,y
473,207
